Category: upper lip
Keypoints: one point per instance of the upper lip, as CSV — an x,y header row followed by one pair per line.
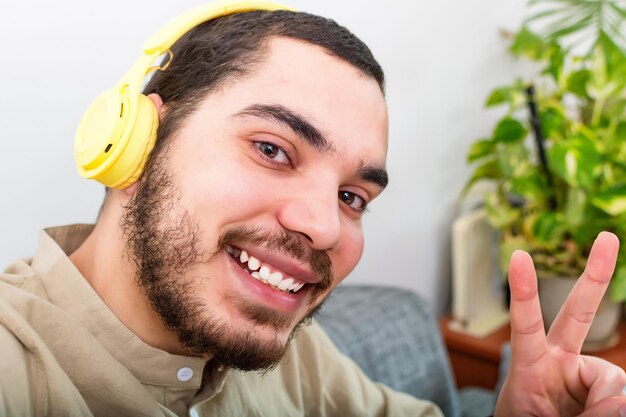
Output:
x,y
284,263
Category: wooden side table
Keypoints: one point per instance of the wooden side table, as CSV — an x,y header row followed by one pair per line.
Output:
x,y
475,360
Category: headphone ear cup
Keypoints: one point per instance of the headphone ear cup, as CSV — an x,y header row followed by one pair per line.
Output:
x,y
114,140
129,168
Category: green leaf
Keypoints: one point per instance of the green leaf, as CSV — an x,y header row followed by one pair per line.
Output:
x,y
617,289
528,45
489,170
480,149
513,158
614,56
553,123
611,201
594,222
575,207
531,186
499,212
548,229
608,70
614,108
576,160
620,132
599,77
619,157
513,95
509,130
577,83
556,61
540,15
498,96
567,27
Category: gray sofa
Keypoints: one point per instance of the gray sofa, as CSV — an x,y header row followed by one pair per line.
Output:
x,y
394,337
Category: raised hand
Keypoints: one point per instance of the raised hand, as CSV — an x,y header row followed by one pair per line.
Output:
x,y
548,377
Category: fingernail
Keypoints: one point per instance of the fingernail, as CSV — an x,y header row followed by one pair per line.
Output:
x,y
622,411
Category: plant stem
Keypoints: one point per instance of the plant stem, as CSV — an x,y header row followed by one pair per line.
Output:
x,y
535,122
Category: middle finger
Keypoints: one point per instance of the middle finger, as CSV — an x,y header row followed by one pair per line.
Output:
x,y
574,319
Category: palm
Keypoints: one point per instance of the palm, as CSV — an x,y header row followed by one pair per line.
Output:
x,y
554,389
548,376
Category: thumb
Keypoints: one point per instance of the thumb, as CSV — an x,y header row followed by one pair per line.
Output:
x,y
603,379
609,407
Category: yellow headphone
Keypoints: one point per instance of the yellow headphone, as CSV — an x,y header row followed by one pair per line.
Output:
x,y
118,130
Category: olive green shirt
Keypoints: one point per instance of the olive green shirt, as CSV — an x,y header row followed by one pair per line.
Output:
x,y
63,352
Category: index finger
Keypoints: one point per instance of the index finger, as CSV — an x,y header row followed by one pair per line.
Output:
x,y
571,325
528,338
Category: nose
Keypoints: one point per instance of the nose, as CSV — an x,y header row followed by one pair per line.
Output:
x,y
313,212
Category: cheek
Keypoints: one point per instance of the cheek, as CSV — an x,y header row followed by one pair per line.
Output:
x,y
349,252
221,188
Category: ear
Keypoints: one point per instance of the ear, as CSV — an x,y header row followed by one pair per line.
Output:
x,y
131,190
158,103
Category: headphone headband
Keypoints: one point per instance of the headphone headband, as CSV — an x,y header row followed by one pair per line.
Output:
x,y
169,34
162,41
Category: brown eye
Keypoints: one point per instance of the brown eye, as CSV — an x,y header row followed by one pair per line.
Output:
x,y
346,197
268,149
354,201
272,153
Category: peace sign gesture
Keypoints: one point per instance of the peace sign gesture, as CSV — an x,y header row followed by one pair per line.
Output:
x,y
548,376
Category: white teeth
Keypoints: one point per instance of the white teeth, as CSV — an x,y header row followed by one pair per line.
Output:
x,y
265,273
253,263
285,284
275,278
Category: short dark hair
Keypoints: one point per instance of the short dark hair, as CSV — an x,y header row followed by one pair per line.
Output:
x,y
229,46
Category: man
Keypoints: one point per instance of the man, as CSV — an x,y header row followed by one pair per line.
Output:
x,y
272,141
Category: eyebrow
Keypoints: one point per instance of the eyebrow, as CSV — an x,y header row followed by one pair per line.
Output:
x,y
374,175
292,120
313,136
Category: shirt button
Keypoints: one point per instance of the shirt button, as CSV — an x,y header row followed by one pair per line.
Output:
x,y
184,374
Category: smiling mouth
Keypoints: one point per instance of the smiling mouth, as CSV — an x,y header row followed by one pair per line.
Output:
x,y
265,273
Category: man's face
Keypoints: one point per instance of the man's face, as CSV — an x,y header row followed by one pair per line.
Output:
x,y
253,213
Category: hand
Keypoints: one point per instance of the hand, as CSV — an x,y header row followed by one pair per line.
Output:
x,y
548,376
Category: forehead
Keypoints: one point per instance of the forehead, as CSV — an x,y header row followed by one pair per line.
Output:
x,y
347,106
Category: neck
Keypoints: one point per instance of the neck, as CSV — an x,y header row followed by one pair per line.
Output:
x,y
102,262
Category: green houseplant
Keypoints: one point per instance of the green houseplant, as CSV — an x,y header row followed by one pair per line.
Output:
x,y
557,158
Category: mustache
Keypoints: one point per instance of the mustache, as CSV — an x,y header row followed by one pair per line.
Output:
x,y
282,241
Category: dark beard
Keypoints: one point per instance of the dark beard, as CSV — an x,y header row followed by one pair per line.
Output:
x,y
163,255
